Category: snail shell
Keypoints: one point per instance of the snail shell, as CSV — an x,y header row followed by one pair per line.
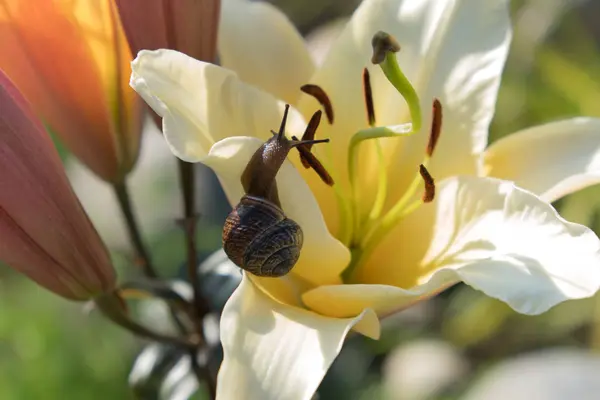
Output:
x,y
259,238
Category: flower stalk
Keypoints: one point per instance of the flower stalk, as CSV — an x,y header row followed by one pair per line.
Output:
x,y
142,255
189,222
112,307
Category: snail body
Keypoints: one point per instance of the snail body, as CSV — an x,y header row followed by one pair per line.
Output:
x,y
257,235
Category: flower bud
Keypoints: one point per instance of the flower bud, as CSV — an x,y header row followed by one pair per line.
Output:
x,y
44,232
71,61
188,26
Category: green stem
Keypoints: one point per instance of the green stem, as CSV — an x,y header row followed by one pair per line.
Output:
x,y
187,180
113,308
133,230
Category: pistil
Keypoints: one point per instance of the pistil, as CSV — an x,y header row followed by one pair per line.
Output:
x,y
366,238
385,48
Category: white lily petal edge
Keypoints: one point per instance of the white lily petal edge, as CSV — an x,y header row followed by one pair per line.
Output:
x,y
202,103
513,246
273,351
495,237
552,160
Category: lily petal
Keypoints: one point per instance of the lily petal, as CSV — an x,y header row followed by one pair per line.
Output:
x,y
466,43
511,245
202,103
257,41
495,237
274,351
551,160
341,301
323,257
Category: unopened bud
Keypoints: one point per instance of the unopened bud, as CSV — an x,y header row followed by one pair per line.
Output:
x,y
44,232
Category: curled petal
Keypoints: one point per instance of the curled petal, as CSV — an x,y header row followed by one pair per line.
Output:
x,y
323,257
551,160
44,232
340,301
274,351
202,103
513,246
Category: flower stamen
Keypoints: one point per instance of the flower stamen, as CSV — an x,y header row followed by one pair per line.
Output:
x,y
436,127
406,205
308,159
429,193
321,96
381,194
368,93
326,163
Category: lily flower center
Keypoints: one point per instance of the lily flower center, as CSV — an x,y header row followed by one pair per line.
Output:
x,y
362,233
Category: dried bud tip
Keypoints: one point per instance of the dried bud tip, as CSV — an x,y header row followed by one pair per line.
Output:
x,y
383,42
436,127
429,193
321,96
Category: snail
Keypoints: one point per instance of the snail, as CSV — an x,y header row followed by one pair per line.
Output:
x,y
257,235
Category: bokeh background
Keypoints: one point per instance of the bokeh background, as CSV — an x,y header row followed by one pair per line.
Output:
x,y
459,345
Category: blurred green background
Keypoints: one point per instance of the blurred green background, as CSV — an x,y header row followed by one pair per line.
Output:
x,y
53,349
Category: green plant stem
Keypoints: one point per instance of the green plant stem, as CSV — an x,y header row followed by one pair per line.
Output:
x,y
187,178
113,307
142,255
189,221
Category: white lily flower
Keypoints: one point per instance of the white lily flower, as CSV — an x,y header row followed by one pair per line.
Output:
x,y
490,226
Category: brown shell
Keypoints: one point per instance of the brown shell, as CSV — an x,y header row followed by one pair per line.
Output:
x,y
260,239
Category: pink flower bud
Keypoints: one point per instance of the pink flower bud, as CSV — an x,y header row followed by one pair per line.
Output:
x,y
44,232
71,61
188,26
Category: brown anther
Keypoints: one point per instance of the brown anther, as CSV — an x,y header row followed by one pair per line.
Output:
x,y
309,160
309,134
383,42
436,127
319,94
429,193
368,92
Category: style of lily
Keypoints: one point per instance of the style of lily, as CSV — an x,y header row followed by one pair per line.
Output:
x,y
372,246
71,61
